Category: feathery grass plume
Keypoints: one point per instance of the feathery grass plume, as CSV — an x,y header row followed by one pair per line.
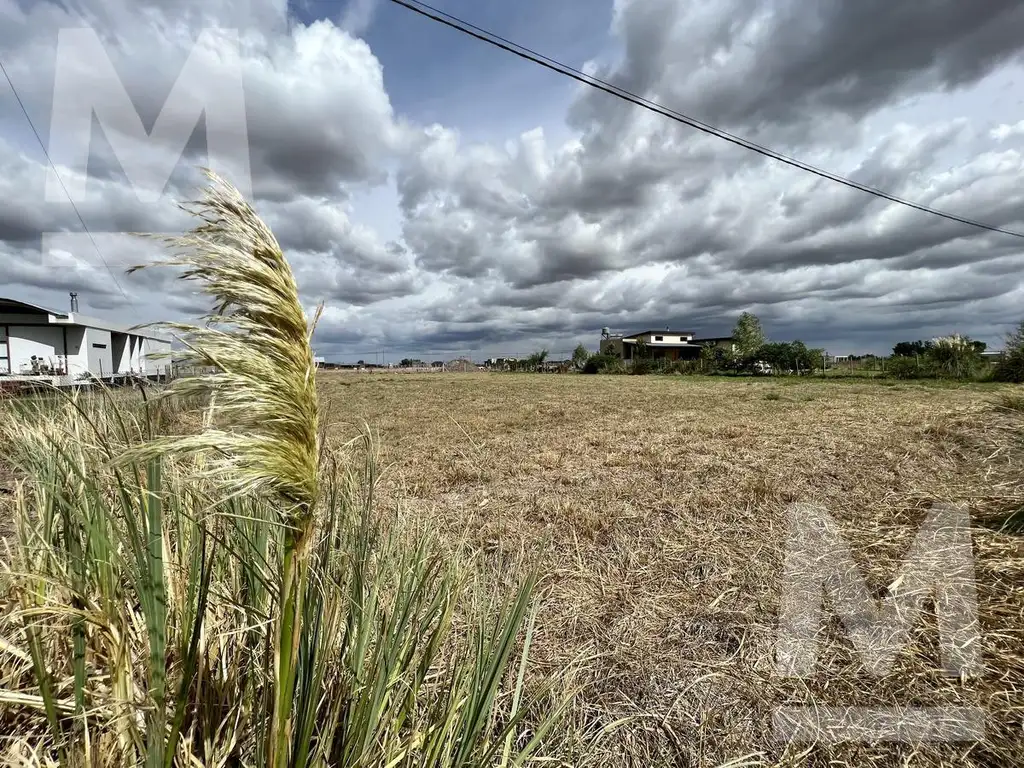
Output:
x,y
257,339
953,356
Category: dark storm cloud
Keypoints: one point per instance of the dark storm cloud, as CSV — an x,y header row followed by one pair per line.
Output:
x,y
28,269
316,114
317,117
109,206
322,226
787,61
329,278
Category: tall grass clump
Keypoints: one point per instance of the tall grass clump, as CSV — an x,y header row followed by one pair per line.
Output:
x,y
228,595
953,357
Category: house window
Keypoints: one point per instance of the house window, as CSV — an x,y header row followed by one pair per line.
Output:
x,y
659,338
99,346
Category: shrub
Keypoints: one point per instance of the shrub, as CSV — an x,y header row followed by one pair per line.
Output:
x,y
603,364
905,368
955,357
785,357
1010,369
687,367
642,366
712,359
910,348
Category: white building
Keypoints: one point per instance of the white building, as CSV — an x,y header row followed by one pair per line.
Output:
x,y
39,341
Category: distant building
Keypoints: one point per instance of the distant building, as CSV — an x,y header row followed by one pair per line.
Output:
x,y
36,341
664,345
500,363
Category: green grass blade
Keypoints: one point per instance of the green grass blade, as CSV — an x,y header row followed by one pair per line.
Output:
x,y
155,605
191,657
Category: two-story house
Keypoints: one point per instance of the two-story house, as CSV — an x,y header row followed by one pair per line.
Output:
x,y
666,344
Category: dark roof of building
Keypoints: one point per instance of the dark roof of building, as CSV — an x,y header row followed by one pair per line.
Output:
x,y
712,338
660,344
660,332
13,305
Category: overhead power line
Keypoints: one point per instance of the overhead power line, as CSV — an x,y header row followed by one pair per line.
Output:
x,y
53,167
594,82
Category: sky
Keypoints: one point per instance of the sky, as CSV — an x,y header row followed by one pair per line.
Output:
x,y
443,197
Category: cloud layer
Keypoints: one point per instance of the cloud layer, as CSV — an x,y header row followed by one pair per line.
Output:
x,y
633,220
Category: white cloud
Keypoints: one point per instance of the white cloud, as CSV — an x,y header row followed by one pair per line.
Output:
x,y
1005,131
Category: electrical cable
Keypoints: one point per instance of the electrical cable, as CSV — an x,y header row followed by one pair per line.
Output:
x,y
81,220
563,69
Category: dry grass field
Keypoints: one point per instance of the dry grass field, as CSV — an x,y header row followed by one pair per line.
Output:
x,y
655,507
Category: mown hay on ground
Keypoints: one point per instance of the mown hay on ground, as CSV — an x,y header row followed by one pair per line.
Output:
x,y
657,506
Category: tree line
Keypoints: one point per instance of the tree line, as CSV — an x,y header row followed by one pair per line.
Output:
x,y
954,357
958,357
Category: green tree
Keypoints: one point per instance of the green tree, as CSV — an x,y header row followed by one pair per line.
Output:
x,y
815,359
801,357
580,355
712,358
747,335
910,348
777,354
